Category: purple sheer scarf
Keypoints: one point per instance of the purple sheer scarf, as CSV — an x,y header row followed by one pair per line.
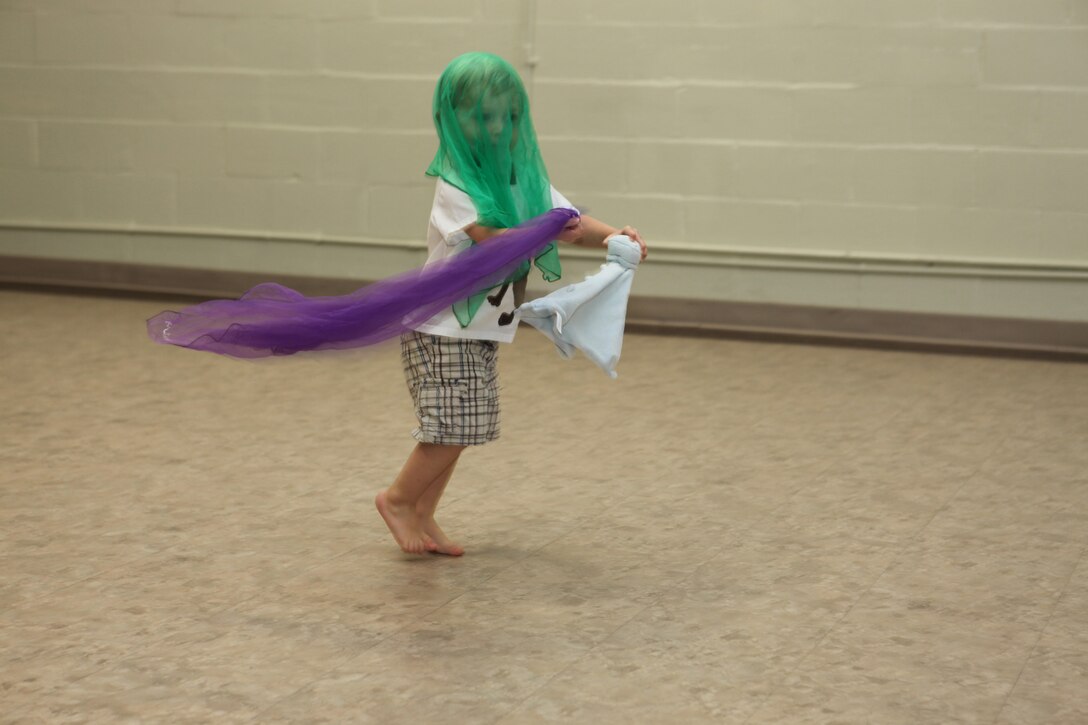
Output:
x,y
274,320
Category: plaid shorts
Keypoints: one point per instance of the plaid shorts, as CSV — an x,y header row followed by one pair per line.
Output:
x,y
455,388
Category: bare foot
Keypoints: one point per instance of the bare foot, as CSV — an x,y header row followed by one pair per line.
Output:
x,y
442,543
403,523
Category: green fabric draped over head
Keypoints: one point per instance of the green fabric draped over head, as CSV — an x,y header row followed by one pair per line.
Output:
x,y
487,148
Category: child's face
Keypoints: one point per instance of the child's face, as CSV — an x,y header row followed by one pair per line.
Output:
x,y
490,118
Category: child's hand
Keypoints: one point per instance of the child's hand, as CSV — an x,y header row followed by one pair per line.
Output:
x,y
572,232
635,237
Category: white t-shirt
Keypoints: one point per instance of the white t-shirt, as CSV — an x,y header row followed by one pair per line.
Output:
x,y
451,213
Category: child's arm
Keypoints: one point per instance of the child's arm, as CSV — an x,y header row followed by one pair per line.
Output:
x,y
480,234
583,231
595,233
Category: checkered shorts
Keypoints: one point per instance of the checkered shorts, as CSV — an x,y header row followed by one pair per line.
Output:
x,y
454,384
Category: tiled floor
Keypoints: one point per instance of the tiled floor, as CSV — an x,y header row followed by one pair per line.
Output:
x,y
729,533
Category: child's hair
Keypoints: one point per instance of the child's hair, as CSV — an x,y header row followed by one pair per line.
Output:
x,y
470,76
486,141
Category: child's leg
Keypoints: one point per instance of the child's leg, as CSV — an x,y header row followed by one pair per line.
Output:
x,y
397,504
454,387
425,508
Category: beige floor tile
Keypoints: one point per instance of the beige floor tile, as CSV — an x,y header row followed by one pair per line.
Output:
x,y
1066,627
883,702
461,663
1050,689
617,686
927,597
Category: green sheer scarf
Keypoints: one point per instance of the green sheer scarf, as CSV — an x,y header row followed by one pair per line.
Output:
x,y
487,148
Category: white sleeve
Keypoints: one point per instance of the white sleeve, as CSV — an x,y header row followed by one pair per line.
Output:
x,y
452,212
561,202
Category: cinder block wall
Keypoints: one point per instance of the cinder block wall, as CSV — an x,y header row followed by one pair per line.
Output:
x,y
910,155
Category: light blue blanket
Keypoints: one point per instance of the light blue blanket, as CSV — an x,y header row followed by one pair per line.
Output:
x,y
589,316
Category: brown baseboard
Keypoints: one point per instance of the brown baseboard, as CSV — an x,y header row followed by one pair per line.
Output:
x,y
960,334
173,281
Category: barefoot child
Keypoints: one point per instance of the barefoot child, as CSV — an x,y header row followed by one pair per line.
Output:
x,y
490,177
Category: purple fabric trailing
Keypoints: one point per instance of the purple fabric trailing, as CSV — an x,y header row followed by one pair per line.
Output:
x,y
271,319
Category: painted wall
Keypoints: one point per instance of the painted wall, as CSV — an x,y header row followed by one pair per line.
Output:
x,y
927,155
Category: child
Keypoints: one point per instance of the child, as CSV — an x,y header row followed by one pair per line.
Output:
x,y
490,177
